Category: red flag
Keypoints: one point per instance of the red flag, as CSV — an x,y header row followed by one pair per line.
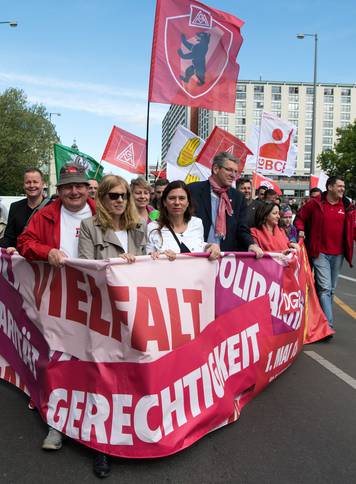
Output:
x,y
194,56
261,180
126,151
314,180
220,140
159,173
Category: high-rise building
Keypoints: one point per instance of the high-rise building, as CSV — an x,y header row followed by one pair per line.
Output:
x,y
292,101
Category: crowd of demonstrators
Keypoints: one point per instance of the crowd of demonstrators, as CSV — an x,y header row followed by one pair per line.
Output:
x,y
21,211
177,230
112,219
141,191
116,230
222,208
159,186
267,233
330,219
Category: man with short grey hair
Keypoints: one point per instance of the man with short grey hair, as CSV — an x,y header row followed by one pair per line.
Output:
x,y
222,208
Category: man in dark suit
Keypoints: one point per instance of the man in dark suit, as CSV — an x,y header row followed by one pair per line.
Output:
x,y
22,210
222,208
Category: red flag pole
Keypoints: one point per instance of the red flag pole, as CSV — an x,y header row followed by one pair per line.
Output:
x,y
147,131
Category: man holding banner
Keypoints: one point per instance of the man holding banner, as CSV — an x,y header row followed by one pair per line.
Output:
x,y
222,208
53,234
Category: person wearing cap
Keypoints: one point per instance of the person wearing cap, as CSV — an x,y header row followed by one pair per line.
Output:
x,y
53,233
285,222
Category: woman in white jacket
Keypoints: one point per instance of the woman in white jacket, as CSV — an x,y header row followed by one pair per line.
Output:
x,y
176,230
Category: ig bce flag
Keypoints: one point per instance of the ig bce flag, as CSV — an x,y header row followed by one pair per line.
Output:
x,y
64,154
194,55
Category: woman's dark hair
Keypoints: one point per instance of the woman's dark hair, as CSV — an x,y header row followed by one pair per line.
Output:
x,y
163,220
262,213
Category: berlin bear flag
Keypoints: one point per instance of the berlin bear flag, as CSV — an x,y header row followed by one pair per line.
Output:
x,y
194,56
126,151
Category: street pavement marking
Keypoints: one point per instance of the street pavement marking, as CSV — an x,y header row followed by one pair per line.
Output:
x,y
345,307
332,368
347,278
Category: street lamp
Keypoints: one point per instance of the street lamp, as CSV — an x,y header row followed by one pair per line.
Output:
x,y
50,156
12,23
301,36
53,114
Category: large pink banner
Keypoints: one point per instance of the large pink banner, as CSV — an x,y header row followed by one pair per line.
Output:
x,y
142,360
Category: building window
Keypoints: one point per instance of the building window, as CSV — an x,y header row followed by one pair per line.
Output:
x,y
346,92
258,105
327,132
328,99
328,115
328,124
293,90
345,108
328,91
293,97
310,91
345,116
328,108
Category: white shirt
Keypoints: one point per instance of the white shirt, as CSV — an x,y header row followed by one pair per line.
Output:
x,y
192,237
70,228
123,239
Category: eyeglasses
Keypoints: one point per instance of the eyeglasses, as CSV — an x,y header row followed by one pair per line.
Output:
x,y
231,170
116,196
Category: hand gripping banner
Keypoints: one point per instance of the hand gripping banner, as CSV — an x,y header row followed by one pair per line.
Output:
x,y
132,362
194,56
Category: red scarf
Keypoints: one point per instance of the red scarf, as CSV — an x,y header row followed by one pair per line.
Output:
x,y
224,207
276,242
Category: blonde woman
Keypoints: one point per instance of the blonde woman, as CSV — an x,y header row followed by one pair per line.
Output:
x,y
116,230
141,190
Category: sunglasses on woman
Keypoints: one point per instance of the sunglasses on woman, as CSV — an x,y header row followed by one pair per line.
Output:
x,y
115,196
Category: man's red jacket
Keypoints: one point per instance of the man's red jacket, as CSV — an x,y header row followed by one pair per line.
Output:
x,y
43,232
311,215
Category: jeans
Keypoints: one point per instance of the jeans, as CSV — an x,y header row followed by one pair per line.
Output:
x,y
326,271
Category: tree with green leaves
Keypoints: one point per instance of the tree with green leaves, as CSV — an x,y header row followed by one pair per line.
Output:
x,y
342,159
26,139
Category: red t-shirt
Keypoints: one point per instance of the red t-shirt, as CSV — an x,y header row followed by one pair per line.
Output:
x,y
332,237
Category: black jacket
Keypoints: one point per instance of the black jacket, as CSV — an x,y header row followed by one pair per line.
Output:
x,y
238,236
19,213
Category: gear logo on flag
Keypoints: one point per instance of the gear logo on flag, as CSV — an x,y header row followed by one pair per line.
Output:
x,y
197,49
201,19
127,155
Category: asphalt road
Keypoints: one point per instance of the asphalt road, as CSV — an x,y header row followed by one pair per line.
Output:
x,y
301,429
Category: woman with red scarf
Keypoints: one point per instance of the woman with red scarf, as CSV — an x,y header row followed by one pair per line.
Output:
x,y
267,234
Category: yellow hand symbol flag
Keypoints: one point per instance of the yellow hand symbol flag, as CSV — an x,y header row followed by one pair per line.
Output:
x,y
186,155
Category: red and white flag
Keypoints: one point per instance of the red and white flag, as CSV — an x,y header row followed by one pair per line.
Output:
x,y
276,153
319,181
126,151
194,55
259,180
220,140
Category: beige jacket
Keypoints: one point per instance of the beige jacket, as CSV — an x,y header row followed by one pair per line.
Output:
x,y
96,244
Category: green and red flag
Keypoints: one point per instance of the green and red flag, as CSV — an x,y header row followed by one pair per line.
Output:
x,y
64,154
